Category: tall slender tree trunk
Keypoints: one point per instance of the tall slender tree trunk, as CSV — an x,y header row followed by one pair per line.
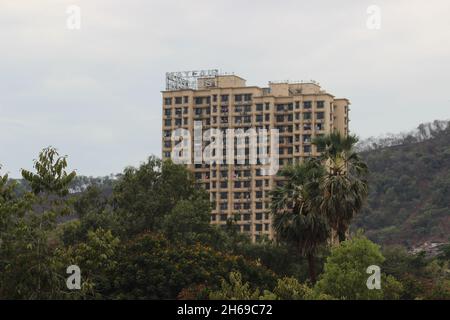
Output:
x,y
312,267
342,233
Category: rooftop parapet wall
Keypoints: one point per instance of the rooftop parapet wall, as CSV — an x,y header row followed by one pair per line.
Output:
x,y
284,89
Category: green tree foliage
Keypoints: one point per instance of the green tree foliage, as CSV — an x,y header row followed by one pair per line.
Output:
x,y
292,289
51,176
345,274
189,222
93,211
235,290
285,289
97,260
408,269
29,263
152,267
12,246
144,195
284,260
439,273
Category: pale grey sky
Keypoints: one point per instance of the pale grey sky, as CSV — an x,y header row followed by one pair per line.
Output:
x,y
94,93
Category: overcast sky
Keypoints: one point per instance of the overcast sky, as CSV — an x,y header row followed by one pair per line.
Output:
x,y
94,93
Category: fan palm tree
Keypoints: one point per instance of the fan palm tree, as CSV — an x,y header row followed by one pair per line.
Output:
x,y
296,215
344,186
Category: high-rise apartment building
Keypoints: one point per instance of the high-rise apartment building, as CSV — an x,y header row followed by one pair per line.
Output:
x,y
300,111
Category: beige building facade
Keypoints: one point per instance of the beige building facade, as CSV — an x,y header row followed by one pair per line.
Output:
x,y
300,112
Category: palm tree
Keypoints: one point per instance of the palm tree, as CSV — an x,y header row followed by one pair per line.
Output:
x,y
334,143
295,208
344,186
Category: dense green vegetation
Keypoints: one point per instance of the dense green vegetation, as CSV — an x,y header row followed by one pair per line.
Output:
x,y
146,235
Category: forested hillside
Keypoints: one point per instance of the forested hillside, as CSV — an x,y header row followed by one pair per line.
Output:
x,y
409,200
